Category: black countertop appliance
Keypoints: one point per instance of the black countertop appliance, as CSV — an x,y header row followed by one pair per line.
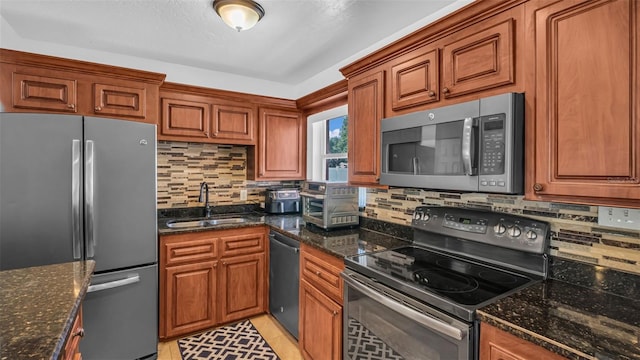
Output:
x,y
284,200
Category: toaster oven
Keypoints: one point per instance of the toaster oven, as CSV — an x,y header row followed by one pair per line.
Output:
x,y
330,204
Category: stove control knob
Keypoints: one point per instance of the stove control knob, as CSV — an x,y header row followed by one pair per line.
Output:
x,y
531,235
515,231
426,217
417,215
500,229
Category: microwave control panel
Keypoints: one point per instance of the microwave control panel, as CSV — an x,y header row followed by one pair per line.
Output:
x,y
492,152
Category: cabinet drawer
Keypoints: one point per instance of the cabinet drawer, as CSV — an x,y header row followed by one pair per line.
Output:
x,y
71,348
323,271
178,250
242,244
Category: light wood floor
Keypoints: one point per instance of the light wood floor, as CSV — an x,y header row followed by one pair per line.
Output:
x,y
285,346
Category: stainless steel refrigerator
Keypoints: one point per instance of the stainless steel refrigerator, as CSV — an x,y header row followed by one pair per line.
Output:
x,y
72,188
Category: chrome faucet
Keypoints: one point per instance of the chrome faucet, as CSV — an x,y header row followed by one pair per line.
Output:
x,y
204,197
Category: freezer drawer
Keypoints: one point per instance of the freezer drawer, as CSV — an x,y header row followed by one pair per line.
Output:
x,y
121,315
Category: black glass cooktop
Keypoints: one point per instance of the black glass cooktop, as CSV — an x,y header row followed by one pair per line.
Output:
x,y
455,279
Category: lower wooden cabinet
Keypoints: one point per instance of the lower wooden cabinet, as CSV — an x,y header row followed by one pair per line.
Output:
x,y
243,278
71,349
190,297
320,335
202,286
496,344
320,323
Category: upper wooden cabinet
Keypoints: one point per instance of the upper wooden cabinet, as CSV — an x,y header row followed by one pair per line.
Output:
x,y
38,83
415,81
282,146
584,136
480,57
195,114
366,109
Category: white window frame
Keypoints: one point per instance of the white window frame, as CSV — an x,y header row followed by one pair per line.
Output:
x,y
317,142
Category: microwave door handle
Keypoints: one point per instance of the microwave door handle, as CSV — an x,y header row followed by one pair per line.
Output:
x,y
416,165
467,130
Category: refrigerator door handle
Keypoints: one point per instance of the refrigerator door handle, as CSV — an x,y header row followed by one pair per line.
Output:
x,y
131,279
89,224
75,199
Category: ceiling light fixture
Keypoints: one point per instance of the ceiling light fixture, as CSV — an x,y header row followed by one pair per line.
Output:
x,y
239,14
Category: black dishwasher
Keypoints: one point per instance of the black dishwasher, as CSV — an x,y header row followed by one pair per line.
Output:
x,y
284,280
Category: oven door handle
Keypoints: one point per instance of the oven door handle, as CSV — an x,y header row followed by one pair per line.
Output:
x,y
427,321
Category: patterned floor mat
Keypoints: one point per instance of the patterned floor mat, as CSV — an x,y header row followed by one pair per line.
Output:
x,y
364,345
239,341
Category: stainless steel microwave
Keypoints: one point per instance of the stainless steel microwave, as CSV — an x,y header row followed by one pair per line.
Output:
x,y
471,146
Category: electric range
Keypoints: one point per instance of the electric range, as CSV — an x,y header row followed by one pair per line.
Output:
x,y
460,260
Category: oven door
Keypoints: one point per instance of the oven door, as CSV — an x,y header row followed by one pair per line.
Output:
x,y
380,323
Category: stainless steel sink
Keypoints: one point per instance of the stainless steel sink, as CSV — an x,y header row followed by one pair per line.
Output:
x,y
204,222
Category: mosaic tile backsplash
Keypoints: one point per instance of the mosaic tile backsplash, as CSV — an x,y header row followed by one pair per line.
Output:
x,y
183,166
575,233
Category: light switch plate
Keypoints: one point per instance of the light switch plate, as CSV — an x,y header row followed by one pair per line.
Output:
x,y
619,217
243,194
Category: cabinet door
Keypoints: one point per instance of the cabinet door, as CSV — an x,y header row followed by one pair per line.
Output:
x,y
320,336
242,287
366,107
496,344
587,132
184,119
44,93
190,298
415,81
479,58
233,123
282,145
118,100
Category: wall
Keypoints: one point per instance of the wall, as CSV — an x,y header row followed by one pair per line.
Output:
x,y
575,230
183,166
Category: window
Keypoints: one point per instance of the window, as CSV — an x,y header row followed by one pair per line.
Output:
x,y
327,146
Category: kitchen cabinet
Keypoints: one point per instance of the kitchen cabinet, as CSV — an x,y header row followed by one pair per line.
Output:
x,y
496,344
71,350
211,277
192,114
321,298
480,57
243,275
38,83
366,110
415,81
282,146
188,279
584,133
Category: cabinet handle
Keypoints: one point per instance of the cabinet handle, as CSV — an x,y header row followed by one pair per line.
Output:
x,y
432,93
98,108
80,333
445,90
206,133
318,273
335,313
71,106
538,187
224,263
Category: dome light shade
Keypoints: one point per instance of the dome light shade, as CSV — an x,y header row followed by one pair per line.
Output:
x,y
239,14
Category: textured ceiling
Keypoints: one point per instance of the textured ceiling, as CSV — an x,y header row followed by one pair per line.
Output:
x,y
296,39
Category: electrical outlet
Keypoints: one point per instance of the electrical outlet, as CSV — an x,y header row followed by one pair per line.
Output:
x,y
243,194
619,217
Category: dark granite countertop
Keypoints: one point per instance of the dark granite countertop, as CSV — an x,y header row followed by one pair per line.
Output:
x,y
38,306
338,242
578,321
